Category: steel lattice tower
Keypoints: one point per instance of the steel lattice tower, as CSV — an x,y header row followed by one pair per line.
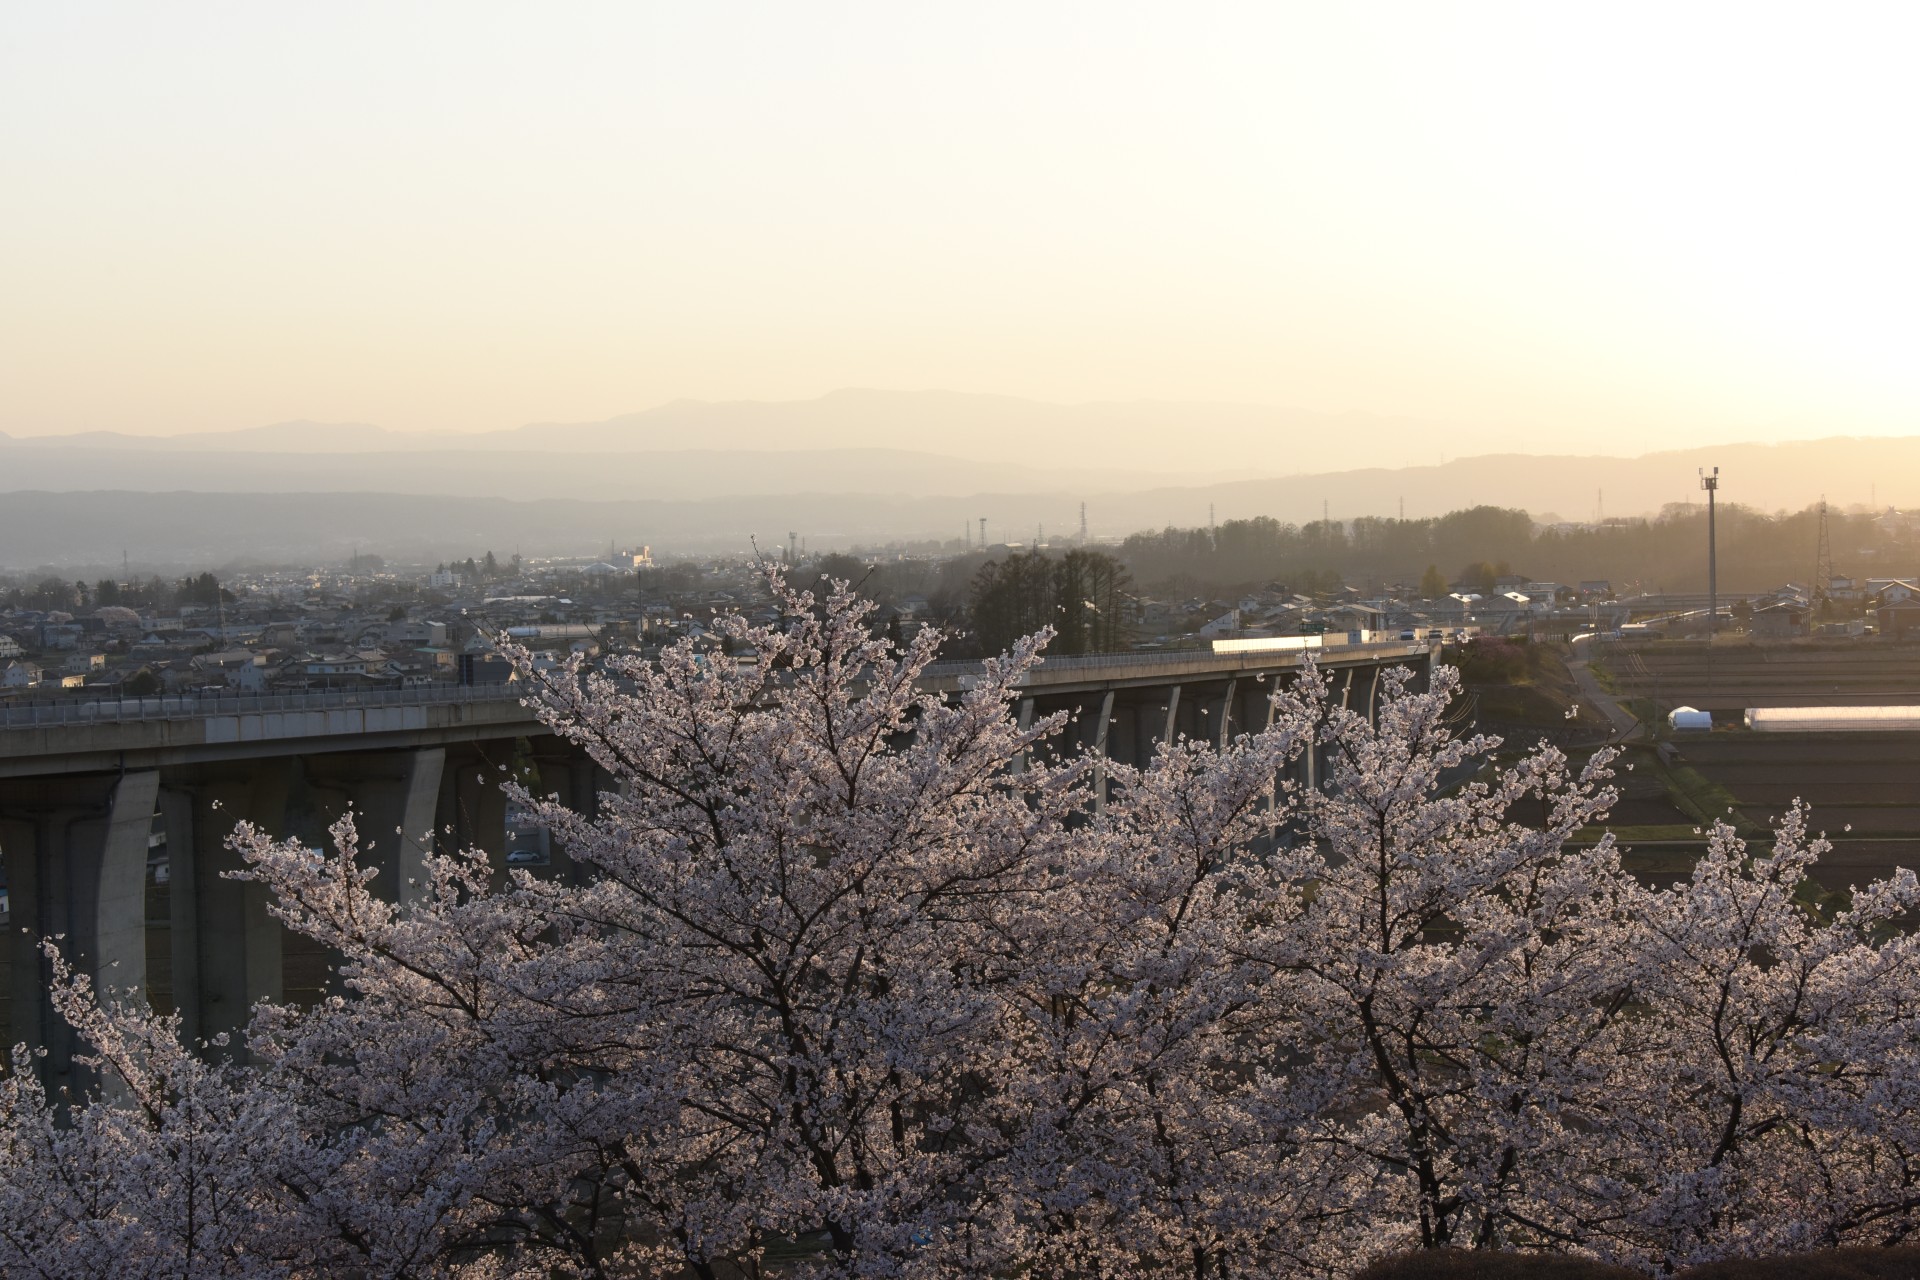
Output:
x,y
1823,565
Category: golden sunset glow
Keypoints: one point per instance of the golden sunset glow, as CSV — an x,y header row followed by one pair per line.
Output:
x,y
1668,223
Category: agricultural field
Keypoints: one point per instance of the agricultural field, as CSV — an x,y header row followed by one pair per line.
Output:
x,y
1864,788
1736,676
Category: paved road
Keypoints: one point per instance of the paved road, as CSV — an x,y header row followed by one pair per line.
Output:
x,y
1623,722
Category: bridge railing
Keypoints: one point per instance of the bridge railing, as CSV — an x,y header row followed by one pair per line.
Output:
x,y
1180,657
30,715
195,706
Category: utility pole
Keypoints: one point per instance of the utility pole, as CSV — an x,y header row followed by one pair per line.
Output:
x,y
1711,483
1819,598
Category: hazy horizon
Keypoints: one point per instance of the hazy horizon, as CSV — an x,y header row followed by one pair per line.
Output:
x,y
1546,227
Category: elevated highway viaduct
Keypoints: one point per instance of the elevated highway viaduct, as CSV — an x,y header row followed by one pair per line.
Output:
x,y
114,816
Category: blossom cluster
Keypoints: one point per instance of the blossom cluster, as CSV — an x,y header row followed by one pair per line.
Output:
x,y
866,981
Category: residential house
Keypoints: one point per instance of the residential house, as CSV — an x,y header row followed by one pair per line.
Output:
x,y
1779,621
1226,624
1882,592
1899,621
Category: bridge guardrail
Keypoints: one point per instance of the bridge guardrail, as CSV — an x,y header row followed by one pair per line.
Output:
x,y
35,715
1180,657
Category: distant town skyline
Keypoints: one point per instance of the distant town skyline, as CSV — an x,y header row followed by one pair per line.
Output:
x,y
1658,225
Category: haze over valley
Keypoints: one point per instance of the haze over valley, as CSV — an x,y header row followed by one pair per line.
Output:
x,y
700,478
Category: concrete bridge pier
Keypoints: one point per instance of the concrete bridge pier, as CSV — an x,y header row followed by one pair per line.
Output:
x,y
576,780
472,810
395,796
75,850
227,952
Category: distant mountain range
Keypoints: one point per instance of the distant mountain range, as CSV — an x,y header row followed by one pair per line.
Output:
x,y
201,527
1164,439
693,476
525,474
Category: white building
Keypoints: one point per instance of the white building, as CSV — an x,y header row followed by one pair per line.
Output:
x,y
1226,624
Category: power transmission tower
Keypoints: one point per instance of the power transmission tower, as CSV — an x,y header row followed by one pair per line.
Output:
x,y
1083,523
1821,595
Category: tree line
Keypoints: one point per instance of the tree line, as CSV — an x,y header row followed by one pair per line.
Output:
x,y
50,594
1757,551
1084,595
858,979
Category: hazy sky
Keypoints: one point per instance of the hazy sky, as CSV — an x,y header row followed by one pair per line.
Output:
x,y
1625,224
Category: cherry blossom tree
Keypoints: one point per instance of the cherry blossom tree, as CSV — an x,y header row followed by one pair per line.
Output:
x,y
1458,990
1777,1104
775,1014
1147,1146
858,979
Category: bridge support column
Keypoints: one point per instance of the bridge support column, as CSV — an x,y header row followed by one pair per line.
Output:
x,y
1173,714
1100,751
576,780
237,948
1025,722
1225,726
109,919
394,796
76,862
472,810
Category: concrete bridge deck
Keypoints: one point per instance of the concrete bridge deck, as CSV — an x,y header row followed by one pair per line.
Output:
x,y
59,738
114,816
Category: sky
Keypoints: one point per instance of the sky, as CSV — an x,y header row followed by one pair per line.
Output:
x,y
1623,225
